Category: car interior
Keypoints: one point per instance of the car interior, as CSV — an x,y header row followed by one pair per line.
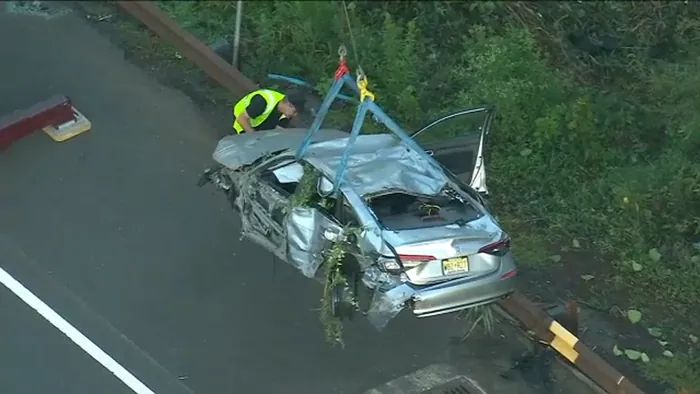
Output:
x,y
401,211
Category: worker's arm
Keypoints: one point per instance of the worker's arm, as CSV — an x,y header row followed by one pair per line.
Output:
x,y
244,120
253,110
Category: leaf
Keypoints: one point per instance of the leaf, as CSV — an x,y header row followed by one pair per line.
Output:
x,y
693,338
634,316
525,152
636,267
654,332
654,255
663,343
667,353
587,277
617,351
633,354
645,358
576,243
555,258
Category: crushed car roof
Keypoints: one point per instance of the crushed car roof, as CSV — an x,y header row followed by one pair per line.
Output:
x,y
378,163
238,150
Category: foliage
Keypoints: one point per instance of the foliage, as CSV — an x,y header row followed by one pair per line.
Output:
x,y
335,277
597,136
332,267
679,371
483,316
306,189
306,196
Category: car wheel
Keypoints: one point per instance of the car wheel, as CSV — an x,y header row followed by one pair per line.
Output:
x,y
343,298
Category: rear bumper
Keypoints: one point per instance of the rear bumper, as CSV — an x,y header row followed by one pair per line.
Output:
x,y
464,293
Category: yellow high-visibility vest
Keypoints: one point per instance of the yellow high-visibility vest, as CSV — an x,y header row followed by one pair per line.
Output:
x,y
271,97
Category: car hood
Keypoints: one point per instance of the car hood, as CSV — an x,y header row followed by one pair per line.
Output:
x,y
239,150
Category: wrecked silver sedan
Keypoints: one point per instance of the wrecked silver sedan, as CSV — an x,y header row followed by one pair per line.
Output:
x,y
426,239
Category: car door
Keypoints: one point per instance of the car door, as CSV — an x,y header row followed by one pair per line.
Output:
x,y
265,199
457,142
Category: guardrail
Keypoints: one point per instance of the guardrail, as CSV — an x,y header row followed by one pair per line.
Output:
x,y
517,305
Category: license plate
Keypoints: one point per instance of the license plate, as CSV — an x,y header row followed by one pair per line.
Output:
x,y
455,265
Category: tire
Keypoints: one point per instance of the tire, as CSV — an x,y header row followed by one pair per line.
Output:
x,y
343,297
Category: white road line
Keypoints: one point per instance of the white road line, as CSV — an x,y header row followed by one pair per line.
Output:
x,y
73,334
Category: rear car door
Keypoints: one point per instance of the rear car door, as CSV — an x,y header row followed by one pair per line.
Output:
x,y
457,142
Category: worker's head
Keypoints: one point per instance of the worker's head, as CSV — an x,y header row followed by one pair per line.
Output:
x,y
291,105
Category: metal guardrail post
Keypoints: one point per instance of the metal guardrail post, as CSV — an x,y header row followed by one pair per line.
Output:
x,y
190,47
568,345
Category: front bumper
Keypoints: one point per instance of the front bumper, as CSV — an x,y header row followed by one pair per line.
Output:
x,y
463,293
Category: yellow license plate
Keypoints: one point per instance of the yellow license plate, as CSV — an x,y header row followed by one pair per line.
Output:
x,y
455,265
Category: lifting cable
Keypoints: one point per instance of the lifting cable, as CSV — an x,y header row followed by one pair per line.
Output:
x,y
361,78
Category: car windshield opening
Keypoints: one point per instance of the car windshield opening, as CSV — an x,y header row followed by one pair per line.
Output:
x,y
402,211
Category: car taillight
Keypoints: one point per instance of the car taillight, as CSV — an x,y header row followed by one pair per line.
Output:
x,y
407,260
413,260
498,248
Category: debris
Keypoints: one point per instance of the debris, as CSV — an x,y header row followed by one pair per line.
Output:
x,y
587,277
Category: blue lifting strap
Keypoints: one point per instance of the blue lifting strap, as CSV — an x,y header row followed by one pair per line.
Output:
x,y
366,105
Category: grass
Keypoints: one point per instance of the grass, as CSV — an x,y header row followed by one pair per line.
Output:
x,y
597,138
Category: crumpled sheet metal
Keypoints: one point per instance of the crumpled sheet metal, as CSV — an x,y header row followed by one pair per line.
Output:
x,y
305,227
237,150
377,163
305,239
387,304
390,296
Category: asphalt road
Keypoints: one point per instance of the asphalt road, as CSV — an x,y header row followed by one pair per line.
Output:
x,y
30,365
109,229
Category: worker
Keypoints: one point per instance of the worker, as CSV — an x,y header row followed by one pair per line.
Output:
x,y
265,109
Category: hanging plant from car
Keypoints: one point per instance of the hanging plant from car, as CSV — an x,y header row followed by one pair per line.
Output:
x,y
336,281
306,189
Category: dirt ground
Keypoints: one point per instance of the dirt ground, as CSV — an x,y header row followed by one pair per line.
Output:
x,y
602,327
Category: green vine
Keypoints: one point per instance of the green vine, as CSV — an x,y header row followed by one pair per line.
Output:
x,y
334,278
306,196
333,264
306,189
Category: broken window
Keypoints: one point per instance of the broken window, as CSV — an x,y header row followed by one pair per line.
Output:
x,y
283,177
401,211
